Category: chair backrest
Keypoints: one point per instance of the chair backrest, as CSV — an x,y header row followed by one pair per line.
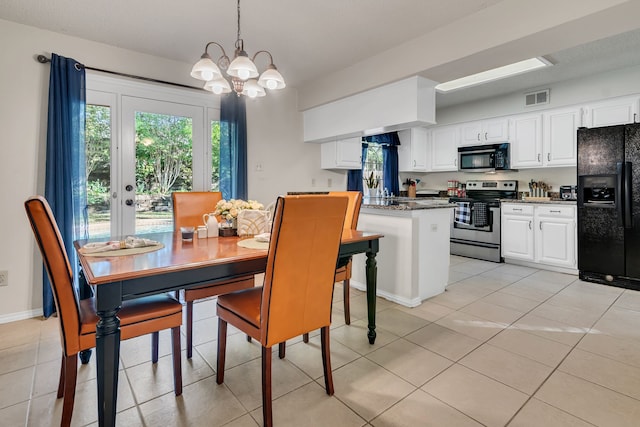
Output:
x,y
301,264
353,208
56,262
189,206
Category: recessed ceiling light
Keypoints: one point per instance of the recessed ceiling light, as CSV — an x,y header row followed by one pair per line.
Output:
x,y
494,74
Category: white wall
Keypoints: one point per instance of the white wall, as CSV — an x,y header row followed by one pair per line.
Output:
x,y
274,131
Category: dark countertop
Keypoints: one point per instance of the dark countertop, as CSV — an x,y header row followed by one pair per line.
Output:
x,y
542,202
406,203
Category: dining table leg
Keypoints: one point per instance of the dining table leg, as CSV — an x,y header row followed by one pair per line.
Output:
x,y
372,285
109,300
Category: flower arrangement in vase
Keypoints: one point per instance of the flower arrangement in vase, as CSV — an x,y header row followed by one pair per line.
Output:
x,y
228,211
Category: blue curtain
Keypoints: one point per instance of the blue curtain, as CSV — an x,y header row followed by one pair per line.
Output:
x,y
233,147
354,176
390,169
65,176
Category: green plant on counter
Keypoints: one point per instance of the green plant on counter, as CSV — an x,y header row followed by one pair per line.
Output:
x,y
372,181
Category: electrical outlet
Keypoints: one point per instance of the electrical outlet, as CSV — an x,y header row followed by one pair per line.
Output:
x,y
4,278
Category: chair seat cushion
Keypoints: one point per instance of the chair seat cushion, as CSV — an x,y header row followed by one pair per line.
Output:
x,y
133,311
244,304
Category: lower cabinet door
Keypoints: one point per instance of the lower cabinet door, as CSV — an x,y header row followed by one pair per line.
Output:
x,y
555,242
517,237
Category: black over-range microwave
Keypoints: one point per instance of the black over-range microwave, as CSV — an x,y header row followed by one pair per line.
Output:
x,y
484,158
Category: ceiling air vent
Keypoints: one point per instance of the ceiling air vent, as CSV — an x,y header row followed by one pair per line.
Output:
x,y
536,98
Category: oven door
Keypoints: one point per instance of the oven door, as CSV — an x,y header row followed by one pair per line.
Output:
x,y
488,234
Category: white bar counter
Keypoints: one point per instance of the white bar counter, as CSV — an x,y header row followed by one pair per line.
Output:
x,y
413,262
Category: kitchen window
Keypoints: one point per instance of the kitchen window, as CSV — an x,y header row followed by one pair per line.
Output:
x,y
373,163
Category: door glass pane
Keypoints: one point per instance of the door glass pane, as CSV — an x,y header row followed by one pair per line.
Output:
x,y
215,155
163,165
98,151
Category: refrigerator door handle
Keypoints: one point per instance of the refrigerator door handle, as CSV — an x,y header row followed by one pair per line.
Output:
x,y
618,194
628,199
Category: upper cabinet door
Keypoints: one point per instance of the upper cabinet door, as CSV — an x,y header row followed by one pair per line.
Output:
x,y
484,132
526,141
617,111
470,133
444,148
413,153
560,136
343,154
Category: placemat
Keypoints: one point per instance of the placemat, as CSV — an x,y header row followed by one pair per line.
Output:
x,y
123,252
252,243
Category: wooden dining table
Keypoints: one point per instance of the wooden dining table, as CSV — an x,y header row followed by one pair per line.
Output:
x,y
178,265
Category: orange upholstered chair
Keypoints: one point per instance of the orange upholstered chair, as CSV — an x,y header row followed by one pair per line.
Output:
x,y
188,209
78,318
298,285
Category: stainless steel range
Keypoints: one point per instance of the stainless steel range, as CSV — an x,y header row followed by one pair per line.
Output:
x,y
475,223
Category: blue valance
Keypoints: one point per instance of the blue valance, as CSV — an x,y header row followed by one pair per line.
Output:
x,y
390,138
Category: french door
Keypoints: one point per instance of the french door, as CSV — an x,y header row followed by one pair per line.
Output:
x,y
140,150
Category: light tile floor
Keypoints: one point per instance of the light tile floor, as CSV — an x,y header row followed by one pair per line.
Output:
x,y
504,345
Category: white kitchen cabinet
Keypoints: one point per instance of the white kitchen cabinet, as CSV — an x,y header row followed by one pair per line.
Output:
x,y
413,152
555,241
525,135
341,154
616,111
484,131
543,234
444,148
517,231
560,136
547,139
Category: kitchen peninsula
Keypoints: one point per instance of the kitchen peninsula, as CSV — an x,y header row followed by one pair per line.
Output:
x,y
413,262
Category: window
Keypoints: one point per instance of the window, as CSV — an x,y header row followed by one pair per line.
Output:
x,y
373,163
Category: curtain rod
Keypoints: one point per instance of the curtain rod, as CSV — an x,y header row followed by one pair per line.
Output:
x,y
43,60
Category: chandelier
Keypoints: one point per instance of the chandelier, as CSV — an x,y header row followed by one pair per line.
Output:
x,y
242,71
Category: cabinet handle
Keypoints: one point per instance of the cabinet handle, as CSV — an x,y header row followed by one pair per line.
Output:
x,y
548,157
478,136
414,163
634,117
552,211
485,136
517,209
540,225
539,159
530,226
455,162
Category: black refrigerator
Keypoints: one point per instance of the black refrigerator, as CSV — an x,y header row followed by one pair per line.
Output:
x,y
609,205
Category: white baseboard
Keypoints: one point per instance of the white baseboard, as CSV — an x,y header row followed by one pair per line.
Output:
x,y
541,266
22,315
389,297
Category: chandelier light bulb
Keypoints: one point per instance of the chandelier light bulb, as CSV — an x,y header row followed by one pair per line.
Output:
x,y
272,84
207,75
243,74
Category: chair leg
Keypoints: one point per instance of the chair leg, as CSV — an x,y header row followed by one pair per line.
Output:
x,y
326,360
267,413
155,338
62,375
282,349
177,362
70,376
189,326
305,337
345,297
222,349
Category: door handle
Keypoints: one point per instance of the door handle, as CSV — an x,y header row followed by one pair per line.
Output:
x,y
129,187
128,202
